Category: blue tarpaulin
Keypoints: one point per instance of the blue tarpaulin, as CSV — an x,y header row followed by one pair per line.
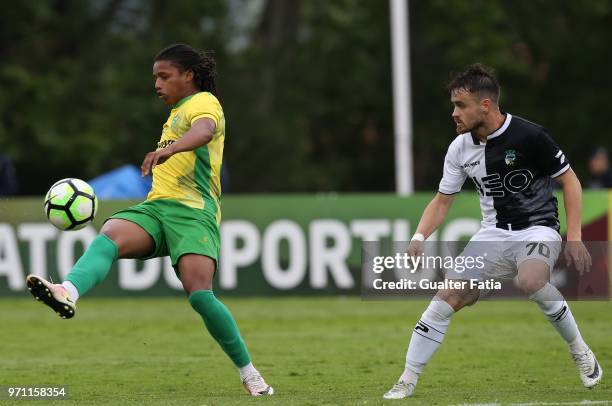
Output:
x,y
122,183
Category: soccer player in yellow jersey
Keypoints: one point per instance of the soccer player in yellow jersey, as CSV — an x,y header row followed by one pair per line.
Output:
x,y
181,215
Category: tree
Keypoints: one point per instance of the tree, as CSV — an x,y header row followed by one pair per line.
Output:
x,y
308,94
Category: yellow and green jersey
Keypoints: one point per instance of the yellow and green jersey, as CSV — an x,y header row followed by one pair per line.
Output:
x,y
193,177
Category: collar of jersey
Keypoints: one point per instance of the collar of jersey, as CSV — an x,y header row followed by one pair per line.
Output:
x,y
495,133
501,129
183,100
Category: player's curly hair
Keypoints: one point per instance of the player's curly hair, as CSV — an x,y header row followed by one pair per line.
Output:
x,y
201,63
477,79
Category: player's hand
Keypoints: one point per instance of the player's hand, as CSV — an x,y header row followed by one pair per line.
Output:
x,y
415,248
155,158
576,253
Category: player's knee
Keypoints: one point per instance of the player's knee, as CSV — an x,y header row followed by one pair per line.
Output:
x,y
113,234
458,299
191,285
127,245
110,233
112,230
449,298
530,286
196,272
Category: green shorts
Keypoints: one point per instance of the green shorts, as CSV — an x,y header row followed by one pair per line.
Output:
x,y
176,229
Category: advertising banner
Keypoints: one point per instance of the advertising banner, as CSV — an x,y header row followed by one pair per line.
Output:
x,y
270,244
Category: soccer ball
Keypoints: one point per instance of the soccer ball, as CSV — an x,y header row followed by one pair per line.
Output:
x,y
71,204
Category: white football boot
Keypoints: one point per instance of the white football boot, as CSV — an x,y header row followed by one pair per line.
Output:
x,y
256,386
53,295
400,390
588,367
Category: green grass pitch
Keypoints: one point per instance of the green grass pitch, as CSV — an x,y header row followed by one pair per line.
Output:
x,y
314,351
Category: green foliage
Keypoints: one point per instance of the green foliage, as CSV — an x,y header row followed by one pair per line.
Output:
x,y
315,111
308,94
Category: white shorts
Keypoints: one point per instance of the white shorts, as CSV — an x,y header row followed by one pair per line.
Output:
x,y
502,251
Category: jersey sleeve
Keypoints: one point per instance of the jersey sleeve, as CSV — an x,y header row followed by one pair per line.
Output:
x,y
205,106
551,159
453,176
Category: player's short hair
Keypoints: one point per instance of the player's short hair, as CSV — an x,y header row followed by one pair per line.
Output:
x,y
479,80
201,63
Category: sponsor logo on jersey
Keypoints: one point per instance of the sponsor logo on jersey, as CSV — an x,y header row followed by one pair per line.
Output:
x,y
164,144
495,185
471,164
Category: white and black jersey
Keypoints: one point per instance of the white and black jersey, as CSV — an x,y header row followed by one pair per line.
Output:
x,y
512,172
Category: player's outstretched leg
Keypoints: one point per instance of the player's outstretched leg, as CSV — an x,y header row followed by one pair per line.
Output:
x,y
119,238
89,270
558,313
427,337
196,275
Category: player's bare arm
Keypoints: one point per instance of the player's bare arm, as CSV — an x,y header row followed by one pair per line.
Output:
x,y
433,215
575,251
201,133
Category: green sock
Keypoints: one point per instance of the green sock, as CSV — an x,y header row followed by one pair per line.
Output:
x,y
94,264
220,325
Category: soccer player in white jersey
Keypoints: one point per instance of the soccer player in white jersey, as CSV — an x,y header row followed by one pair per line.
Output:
x,y
513,163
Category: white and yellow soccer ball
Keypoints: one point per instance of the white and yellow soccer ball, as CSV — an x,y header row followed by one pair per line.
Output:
x,y
71,204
